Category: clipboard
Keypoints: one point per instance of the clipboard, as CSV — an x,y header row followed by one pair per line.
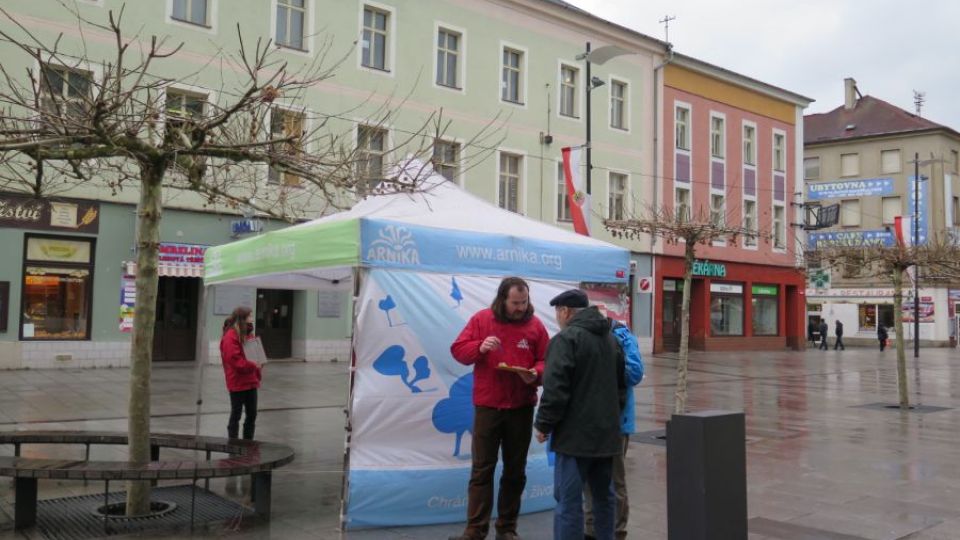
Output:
x,y
253,349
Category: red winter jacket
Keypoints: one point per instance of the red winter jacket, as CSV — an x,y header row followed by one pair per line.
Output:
x,y
522,344
241,373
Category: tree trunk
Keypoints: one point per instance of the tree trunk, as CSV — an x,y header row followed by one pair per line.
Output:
x,y
680,396
141,348
898,325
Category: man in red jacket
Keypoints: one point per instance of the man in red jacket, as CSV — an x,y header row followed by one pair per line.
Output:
x,y
506,345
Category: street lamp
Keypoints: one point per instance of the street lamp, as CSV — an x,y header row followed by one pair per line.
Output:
x,y
916,241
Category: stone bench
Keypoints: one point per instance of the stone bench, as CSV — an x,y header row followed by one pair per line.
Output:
x,y
245,457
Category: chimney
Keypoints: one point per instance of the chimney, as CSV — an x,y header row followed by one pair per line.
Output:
x,y
849,93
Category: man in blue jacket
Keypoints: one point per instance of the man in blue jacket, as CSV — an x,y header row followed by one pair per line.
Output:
x,y
633,374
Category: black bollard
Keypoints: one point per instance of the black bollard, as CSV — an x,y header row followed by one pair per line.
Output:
x,y
706,476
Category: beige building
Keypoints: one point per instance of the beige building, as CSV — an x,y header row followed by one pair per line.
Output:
x,y
861,156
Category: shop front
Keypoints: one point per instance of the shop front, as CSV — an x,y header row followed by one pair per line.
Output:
x,y
733,306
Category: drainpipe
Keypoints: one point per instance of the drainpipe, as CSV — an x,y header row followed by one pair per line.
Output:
x,y
656,131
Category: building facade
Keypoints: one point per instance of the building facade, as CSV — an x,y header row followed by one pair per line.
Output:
x,y
730,147
860,156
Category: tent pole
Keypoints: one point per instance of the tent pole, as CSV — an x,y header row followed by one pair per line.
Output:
x,y
348,427
202,352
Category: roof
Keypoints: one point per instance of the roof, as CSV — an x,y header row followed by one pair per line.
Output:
x,y
870,117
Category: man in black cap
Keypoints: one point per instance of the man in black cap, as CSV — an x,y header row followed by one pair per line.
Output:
x,y
580,412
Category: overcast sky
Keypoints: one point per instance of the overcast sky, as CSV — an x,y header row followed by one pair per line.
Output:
x,y
891,47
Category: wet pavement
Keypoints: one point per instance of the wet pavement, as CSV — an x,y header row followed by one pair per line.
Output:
x,y
820,463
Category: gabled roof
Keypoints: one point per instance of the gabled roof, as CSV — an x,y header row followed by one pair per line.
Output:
x,y
870,117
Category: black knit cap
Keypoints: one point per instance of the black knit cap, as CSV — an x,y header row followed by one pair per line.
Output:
x,y
573,298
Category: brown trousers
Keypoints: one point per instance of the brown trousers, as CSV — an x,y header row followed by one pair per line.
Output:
x,y
494,430
619,489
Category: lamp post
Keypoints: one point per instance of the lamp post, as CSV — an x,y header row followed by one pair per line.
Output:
x,y
916,242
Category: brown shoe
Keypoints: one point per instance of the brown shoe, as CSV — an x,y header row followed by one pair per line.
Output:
x,y
508,536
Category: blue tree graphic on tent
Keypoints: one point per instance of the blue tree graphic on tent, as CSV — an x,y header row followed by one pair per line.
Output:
x,y
455,413
455,292
386,305
391,363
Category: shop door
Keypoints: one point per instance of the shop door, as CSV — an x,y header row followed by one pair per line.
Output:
x,y
672,317
274,323
175,330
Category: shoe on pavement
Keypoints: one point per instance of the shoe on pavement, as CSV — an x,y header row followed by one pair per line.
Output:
x,y
508,536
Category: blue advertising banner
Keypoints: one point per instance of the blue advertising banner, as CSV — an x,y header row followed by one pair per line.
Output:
x,y
849,188
398,245
880,237
923,209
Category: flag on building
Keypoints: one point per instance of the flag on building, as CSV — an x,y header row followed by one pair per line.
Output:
x,y
577,195
901,228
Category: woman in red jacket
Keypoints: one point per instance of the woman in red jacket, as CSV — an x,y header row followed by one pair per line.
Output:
x,y
243,376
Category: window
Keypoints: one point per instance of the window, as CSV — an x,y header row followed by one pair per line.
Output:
x,y
955,161
850,213
618,104
849,164
512,76
726,309
563,202
891,209
374,38
64,91
617,197
57,288
956,211
191,11
779,148
811,168
291,15
766,310
749,145
750,221
371,149
509,192
779,228
682,204
683,129
448,58
869,314
183,108
716,137
286,124
717,211
890,161
446,159
568,91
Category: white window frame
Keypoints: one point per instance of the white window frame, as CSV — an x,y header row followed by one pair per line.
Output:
x,y
819,165
899,168
627,103
387,140
751,242
689,128
96,76
521,184
308,29
722,156
459,179
180,88
843,213
676,200
307,126
461,86
899,210
773,227
626,192
560,178
855,173
752,164
213,10
524,59
783,155
391,41
577,91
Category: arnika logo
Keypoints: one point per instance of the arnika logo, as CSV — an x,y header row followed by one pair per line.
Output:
x,y
394,245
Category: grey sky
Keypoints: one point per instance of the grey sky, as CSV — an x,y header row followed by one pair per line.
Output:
x,y
891,47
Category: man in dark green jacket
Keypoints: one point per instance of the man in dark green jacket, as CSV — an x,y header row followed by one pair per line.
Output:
x,y
580,412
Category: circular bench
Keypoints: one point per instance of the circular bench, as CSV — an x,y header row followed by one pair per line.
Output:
x,y
245,457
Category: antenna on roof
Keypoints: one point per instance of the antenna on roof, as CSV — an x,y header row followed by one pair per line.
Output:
x,y
665,21
919,98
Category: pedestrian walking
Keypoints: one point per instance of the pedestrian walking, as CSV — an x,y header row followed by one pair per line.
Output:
x,y
882,336
242,375
583,394
823,334
506,335
633,374
838,330
812,332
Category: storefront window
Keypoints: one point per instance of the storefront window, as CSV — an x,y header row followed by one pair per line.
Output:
x,y
869,314
765,310
726,309
57,287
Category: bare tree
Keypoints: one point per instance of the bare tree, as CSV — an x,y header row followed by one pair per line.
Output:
x,y
938,259
63,128
676,227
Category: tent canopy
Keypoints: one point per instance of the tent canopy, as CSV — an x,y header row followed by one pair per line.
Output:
x,y
441,228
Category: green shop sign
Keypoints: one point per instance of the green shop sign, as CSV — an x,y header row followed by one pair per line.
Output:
x,y
709,269
765,290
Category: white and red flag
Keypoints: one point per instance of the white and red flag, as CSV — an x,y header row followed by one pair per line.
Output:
x,y
577,195
901,228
